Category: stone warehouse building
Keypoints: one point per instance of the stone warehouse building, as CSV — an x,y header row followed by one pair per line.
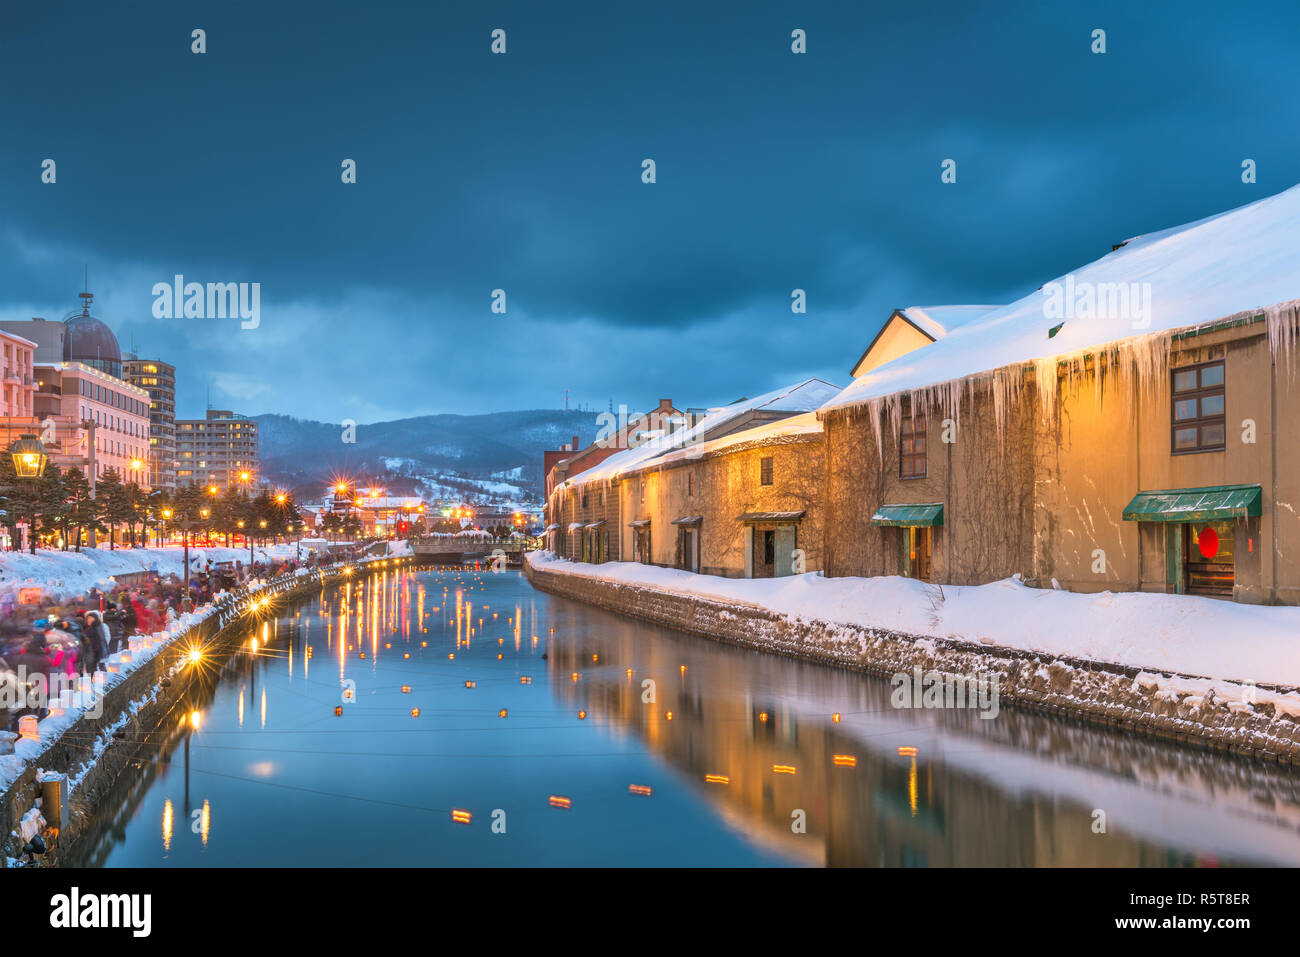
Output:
x,y
736,494
1130,426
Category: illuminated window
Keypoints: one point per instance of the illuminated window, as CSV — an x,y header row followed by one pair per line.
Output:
x,y
911,448
1197,409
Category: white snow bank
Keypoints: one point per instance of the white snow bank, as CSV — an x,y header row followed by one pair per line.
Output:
x,y
68,574
1179,633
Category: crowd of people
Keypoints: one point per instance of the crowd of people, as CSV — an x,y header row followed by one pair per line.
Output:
x,y
74,636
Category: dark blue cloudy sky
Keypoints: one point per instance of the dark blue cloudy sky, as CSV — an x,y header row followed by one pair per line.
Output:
x,y
522,172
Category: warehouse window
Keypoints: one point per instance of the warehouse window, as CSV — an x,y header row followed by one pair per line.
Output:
x,y
911,448
1197,409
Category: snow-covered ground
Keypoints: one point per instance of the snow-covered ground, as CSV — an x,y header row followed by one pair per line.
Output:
x,y
67,574
1177,633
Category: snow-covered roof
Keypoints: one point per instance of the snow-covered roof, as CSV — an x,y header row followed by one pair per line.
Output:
x,y
938,321
805,396
1245,259
787,429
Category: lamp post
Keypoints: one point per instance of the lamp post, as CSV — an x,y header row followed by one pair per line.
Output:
x,y
187,603
136,465
29,458
281,522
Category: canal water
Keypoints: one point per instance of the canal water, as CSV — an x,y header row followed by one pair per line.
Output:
x,y
485,723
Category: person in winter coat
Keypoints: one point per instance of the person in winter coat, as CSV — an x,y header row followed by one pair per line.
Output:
x,y
141,619
113,619
97,640
61,648
130,616
34,657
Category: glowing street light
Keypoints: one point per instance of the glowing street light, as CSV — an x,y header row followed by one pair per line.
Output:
x,y
29,457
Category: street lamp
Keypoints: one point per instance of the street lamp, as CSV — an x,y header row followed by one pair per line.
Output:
x,y
187,604
29,457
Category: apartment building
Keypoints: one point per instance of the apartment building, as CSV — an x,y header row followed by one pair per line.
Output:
x,y
219,449
158,378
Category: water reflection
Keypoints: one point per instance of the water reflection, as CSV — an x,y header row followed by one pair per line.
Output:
x,y
767,739
606,741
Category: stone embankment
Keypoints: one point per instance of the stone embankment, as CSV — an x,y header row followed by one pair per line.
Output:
x,y
1201,712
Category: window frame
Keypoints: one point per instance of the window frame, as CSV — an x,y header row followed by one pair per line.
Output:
x,y
916,429
767,470
1199,393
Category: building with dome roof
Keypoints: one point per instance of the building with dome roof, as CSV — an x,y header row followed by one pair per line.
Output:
x,y
99,420
89,341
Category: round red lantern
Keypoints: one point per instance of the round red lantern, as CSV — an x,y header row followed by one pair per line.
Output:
x,y
1208,542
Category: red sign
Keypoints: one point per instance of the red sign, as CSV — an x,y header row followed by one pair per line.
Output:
x,y
1208,542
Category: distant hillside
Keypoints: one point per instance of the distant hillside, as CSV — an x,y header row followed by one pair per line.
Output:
x,y
494,456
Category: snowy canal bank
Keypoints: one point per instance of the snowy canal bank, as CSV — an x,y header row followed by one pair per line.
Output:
x,y
89,738
1155,664
443,701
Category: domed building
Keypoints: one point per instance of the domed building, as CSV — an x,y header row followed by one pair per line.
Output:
x,y
89,341
100,421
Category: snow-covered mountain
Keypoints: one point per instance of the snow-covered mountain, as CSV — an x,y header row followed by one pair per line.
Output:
x,y
480,458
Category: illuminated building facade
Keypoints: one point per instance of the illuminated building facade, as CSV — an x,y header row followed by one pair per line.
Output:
x,y
219,450
158,378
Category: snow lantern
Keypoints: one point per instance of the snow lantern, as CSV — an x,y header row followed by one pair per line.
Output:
x,y
28,728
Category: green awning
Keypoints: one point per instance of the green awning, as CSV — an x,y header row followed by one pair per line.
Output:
x,y
909,515
1195,504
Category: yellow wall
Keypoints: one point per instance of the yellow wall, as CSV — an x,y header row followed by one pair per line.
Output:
x,y
898,338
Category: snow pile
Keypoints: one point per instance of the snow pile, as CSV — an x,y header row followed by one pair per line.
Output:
x,y
31,824
69,574
1189,635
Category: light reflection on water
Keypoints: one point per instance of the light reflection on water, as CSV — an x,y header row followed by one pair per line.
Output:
x,y
570,736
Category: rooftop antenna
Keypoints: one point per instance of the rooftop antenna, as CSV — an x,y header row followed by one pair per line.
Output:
x,y
566,400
